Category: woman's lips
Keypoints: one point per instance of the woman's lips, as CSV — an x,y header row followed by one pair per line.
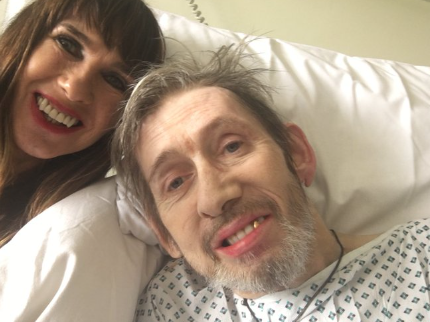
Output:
x,y
54,115
46,122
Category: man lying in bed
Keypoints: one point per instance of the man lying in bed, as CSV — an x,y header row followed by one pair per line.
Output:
x,y
222,181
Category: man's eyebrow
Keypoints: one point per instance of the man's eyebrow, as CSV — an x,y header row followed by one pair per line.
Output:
x,y
167,155
220,122
161,159
229,124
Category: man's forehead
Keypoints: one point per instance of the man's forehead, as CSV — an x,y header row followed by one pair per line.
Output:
x,y
199,104
200,97
199,110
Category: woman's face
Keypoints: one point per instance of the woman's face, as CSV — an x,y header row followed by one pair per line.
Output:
x,y
68,93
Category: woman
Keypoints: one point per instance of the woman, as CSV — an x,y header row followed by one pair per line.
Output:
x,y
65,66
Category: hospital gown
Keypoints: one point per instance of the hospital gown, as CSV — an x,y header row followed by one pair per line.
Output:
x,y
384,280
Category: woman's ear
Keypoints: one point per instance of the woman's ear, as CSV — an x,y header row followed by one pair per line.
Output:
x,y
302,153
165,239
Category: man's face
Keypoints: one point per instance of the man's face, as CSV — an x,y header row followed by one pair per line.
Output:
x,y
224,192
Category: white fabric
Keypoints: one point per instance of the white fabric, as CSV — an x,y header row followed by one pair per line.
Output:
x,y
130,212
367,119
73,263
386,280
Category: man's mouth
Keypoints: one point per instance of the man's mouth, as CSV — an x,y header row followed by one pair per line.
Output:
x,y
243,232
53,115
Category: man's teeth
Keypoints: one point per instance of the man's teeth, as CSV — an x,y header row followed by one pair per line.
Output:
x,y
245,231
53,115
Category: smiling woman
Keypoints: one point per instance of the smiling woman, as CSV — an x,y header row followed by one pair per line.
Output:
x,y
66,66
71,78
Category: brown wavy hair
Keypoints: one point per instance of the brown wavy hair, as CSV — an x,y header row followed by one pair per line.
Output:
x,y
129,26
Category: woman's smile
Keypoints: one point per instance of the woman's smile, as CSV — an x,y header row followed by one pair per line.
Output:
x,y
53,118
53,114
68,94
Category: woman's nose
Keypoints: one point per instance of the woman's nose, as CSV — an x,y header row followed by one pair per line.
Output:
x,y
77,84
217,192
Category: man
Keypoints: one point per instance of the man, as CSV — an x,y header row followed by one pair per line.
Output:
x,y
221,179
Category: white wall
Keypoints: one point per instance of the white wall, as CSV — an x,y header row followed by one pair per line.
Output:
x,y
389,29
8,8
2,9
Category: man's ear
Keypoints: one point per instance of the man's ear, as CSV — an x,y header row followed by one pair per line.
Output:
x,y
165,239
302,153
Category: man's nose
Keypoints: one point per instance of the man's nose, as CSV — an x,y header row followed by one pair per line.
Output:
x,y
217,192
77,84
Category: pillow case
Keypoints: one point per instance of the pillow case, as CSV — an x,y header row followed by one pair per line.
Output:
x,y
367,119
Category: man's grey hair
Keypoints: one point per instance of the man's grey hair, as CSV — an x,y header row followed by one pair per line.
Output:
x,y
224,68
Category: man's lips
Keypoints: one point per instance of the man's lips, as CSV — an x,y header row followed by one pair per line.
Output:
x,y
252,240
239,229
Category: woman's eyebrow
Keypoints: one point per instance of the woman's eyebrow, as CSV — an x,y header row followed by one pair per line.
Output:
x,y
78,34
120,65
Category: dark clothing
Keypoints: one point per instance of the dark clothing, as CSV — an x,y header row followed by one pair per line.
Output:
x,y
15,198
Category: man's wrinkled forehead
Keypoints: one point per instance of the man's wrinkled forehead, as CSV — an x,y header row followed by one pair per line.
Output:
x,y
195,105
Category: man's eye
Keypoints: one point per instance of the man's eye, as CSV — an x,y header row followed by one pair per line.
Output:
x,y
233,146
70,45
116,82
176,183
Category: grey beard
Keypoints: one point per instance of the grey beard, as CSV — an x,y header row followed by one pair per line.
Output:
x,y
264,275
275,273
282,269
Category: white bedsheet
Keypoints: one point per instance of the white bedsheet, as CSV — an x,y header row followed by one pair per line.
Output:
x,y
74,262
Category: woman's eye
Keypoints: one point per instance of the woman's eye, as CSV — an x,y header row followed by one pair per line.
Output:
x,y
233,146
116,82
176,183
70,45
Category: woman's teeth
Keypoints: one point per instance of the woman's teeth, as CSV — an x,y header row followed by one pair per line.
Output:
x,y
53,115
245,231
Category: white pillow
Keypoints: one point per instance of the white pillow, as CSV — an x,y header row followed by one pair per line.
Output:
x,y
77,260
367,119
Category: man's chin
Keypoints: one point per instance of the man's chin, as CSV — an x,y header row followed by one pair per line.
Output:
x,y
270,273
248,278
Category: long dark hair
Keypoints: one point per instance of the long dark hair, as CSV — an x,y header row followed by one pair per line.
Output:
x,y
129,26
